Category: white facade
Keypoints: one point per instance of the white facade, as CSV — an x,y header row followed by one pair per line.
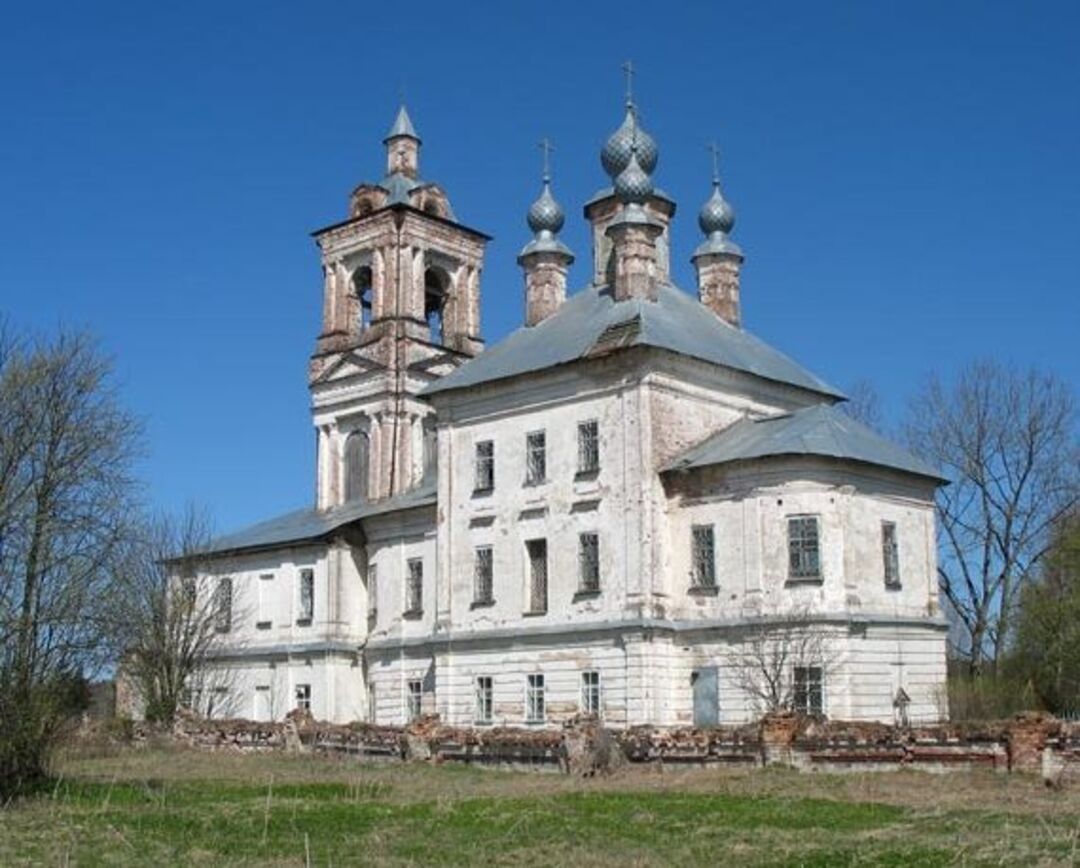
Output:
x,y
402,622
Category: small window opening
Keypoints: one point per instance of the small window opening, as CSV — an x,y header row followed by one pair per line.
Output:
x,y
434,304
362,288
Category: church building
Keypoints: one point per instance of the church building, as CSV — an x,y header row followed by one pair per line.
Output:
x,y
630,506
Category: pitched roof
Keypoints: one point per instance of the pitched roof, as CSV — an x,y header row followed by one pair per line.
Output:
x,y
591,321
308,525
403,126
819,430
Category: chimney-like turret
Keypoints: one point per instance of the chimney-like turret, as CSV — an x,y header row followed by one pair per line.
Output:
x,y
633,235
402,147
718,259
545,260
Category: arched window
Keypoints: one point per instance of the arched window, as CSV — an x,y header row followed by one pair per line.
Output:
x,y
357,462
362,287
436,284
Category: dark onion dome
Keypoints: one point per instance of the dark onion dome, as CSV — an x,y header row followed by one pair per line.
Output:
x,y
633,186
545,214
716,214
615,155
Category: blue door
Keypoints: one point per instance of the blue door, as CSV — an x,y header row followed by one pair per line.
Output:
x,y
705,683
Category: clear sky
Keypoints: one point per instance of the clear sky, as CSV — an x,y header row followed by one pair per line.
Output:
x,y
905,177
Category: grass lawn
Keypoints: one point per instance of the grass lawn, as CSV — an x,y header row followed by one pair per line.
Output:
x,y
156,807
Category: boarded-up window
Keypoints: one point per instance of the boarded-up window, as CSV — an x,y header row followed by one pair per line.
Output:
x,y
223,594
414,587
890,554
703,556
485,466
589,562
307,596
804,559
538,583
357,462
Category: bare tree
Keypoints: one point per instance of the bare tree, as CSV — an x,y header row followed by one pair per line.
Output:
x,y
174,617
863,404
782,661
66,492
1007,441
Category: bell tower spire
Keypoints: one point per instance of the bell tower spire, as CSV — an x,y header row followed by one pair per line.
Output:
x,y
402,146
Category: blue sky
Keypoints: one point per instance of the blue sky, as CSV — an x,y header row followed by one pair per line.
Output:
x,y
905,179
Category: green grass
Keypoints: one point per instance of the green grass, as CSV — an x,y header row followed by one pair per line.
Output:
x,y
178,808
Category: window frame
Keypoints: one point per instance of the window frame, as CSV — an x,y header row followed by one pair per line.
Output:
x,y
484,695
223,604
890,554
588,566
414,587
414,699
535,698
799,548
302,697
483,467
483,575
305,580
537,579
592,693
811,688
702,568
536,457
372,591
588,433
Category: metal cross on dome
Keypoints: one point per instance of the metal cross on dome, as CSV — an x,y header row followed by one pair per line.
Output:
x,y
628,68
714,149
546,148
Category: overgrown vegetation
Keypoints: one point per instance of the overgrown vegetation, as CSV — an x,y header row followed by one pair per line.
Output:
x,y
179,808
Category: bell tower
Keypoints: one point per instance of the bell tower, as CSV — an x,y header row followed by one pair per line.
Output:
x,y
401,307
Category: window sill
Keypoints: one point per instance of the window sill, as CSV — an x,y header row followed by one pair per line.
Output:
x,y
804,580
534,613
412,614
704,590
586,594
482,604
303,622
263,625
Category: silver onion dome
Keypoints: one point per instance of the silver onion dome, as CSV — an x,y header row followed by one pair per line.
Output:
x,y
633,186
615,155
545,214
716,214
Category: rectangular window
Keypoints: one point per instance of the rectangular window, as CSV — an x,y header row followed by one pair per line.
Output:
x,y
414,699
484,697
189,594
483,592
589,562
307,596
534,699
588,442
414,589
303,697
262,710
703,556
809,683
538,584
591,697
485,466
535,458
804,560
223,605
265,591
372,591
372,715
890,553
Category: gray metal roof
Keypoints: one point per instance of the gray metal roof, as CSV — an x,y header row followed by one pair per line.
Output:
x,y
309,525
403,126
821,430
675,322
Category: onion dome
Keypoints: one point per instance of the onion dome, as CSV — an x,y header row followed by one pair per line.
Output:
x,y
716,214
615,155
633,186
545,215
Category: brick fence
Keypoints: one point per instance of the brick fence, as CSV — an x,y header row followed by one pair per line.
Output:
x,y
1029,742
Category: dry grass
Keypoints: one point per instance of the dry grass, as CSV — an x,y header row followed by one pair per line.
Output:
x,y
182,807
